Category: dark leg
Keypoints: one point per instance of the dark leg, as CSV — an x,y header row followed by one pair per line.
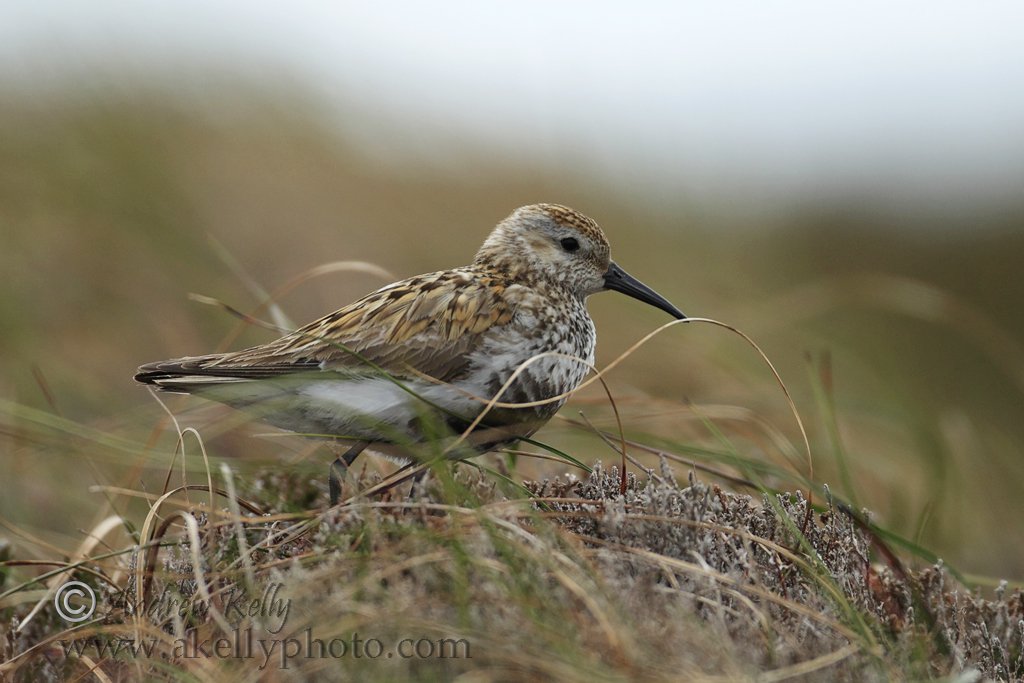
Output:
x,y
416,490
339,468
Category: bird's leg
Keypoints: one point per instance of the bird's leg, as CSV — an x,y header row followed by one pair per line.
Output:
x,y
339,468
417,482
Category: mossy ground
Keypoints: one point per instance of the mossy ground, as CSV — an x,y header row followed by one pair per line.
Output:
x,y
579,582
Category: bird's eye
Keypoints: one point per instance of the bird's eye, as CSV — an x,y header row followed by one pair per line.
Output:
x,y
570,244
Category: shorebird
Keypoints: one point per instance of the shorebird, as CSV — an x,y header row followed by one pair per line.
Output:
x,y
386,369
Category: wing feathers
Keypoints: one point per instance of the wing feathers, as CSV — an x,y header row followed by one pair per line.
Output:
x,y
429,324
203,369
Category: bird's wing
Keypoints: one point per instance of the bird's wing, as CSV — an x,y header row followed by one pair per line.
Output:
x,y
425,325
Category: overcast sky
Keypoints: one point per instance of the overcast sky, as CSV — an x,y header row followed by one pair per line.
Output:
x,y
923,99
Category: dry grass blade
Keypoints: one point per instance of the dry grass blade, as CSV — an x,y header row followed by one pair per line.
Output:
x,y
269,301
278,315
243,546
132,493
778,379
94,669
256,322
88,543
181,445
192,528
810,666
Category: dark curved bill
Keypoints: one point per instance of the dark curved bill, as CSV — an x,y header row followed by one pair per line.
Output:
x,y
619,280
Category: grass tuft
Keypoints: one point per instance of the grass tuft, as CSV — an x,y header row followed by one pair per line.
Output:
x,y
575,581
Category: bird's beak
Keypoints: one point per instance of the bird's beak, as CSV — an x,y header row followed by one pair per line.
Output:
x,y
619,280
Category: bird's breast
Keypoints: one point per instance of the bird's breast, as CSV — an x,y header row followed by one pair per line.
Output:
x,y
546,351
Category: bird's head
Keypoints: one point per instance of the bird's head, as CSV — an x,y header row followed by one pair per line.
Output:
x,y
556,245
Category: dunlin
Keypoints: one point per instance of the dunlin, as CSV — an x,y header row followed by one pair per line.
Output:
x,y
435,346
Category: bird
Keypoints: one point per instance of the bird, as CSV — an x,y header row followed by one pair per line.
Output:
x,y
382,372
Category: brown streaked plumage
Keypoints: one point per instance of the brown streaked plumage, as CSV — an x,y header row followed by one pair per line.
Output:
x,y
437,344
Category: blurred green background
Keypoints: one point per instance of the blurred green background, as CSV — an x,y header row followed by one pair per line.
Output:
x,y
116,188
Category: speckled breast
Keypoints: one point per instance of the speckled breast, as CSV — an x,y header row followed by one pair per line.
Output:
x,y
545,352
